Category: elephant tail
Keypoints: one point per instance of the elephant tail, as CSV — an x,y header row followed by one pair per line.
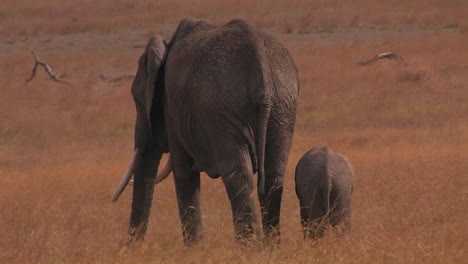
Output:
x,y
263,116
329,174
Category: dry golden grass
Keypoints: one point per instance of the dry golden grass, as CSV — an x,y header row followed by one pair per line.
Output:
x,y
404,127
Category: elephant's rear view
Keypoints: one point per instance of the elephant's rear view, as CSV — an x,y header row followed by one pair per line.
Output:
x,y
219,99
324,184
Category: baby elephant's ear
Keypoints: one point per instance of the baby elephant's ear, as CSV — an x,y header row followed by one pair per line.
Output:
x,y
155,52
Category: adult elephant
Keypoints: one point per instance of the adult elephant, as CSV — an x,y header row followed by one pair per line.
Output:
x,y
220,100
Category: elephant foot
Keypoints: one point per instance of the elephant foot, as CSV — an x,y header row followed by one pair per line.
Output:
x,y
136,234
188,242
272,237
128,248
193,238
341,229
245,242
314,230
129,245
246,234
124,250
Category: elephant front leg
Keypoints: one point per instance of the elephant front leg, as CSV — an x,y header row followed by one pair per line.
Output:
x,y
143,189
187,183
239,186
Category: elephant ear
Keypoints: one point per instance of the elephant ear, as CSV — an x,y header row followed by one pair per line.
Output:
x,y
155,56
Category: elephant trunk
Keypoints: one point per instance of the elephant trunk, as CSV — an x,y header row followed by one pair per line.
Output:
x,y
145,173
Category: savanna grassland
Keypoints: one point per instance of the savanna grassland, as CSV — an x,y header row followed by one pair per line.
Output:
x,y
404,126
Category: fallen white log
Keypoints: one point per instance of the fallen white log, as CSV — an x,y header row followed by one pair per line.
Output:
x,y
47,68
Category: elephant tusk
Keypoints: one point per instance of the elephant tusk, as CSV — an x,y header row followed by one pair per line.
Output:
x,y
127,176
165,172
161,175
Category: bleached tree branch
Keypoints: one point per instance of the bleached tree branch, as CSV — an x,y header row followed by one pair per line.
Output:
x,y
117,79
385,55
47,68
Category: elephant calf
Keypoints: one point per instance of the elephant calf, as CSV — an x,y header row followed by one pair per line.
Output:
x,y
324,183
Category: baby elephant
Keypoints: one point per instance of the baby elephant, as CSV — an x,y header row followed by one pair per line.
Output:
x,y
324,183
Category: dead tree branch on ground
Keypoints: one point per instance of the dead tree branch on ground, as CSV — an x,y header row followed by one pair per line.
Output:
x,y
47,68
118,79
385,55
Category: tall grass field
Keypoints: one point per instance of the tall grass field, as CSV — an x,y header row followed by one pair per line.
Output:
x,y
403,126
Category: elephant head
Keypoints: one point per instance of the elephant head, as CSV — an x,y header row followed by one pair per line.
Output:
x,y
147,91
151,141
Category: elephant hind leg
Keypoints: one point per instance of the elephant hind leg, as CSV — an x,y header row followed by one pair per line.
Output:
x,y
340,210
314,215
276,158
239,186
271,204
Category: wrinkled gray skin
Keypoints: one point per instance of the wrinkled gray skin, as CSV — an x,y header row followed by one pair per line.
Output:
x,y
220,100
324,184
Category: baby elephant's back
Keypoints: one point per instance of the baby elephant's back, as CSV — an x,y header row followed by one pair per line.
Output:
x,y
323,163
312,167
324,185
340,170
